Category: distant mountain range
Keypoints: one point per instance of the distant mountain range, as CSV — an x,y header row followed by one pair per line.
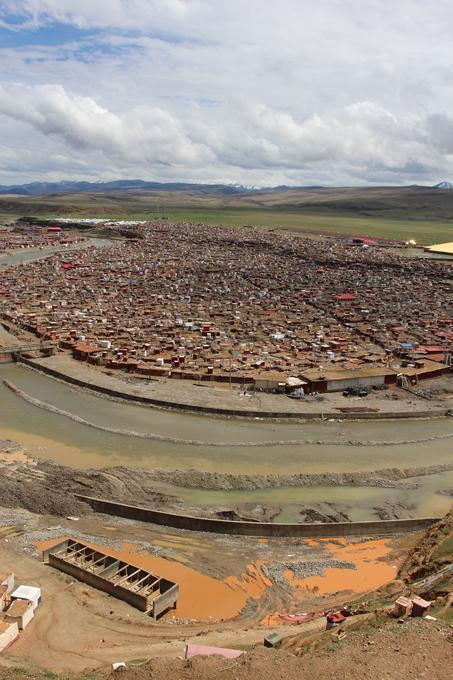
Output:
x,y
125,185
74,187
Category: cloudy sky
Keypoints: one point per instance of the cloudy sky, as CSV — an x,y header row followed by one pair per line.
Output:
x,y
258,92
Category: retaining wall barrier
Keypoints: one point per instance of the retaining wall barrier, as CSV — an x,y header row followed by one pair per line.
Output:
x,y
226,412
238,528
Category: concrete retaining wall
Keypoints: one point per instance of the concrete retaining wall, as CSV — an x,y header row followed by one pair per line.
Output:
x,y
212,410
222,526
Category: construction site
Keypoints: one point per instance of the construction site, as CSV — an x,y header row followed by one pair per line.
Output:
x,y
264,602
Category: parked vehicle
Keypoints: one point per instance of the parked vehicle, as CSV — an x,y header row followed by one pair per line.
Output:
x,y
355,391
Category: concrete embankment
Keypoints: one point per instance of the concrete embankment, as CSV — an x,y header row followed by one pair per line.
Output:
x,y
221,526
194,442
124,395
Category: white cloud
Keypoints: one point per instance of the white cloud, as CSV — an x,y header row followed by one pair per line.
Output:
x,y
340,91
237,135
144,135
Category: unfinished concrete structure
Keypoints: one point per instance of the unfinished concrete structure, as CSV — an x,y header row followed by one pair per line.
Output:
x,y
140,588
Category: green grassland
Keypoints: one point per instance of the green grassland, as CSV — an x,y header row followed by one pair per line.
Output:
x,y
427,222
421,231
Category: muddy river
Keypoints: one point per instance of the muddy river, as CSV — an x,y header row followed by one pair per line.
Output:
x,y
56,437
75,444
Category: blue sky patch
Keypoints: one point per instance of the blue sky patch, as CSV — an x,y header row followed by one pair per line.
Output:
x,y
51,35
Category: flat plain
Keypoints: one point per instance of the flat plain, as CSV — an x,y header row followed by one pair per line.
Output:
x,y
419,213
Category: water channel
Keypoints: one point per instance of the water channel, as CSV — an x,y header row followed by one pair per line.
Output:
x,y
53,436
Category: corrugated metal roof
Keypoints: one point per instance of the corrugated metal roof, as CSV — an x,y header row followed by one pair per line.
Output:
x,y
446,248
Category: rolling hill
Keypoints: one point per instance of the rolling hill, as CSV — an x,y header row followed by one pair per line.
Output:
x,y
413,212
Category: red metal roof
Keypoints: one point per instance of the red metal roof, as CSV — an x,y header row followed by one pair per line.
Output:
x,y
336,617
364,239
433,350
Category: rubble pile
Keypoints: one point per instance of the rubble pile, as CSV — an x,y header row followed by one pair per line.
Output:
x,y
277,572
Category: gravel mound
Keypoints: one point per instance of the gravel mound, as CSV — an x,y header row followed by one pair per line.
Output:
x,y
275,572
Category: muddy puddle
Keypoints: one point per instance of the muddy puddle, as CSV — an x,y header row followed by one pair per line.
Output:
x,y
203,597
371,571
359,503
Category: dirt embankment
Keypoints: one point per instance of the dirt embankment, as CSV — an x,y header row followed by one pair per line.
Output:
x,y
45,487
434,551
385,478
421,649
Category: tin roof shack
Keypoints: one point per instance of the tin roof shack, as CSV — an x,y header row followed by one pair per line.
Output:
x,y
276,382
340,379
424,369
9,632
420,606
141,589
83,351
402,607
20,612
30,593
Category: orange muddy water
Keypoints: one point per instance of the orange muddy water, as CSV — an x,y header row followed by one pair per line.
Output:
x,y
203,597
371,572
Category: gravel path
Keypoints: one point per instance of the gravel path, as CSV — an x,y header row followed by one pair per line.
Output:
x,y
29,540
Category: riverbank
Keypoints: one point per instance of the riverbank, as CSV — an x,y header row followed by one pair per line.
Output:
x,y
224,402
42,486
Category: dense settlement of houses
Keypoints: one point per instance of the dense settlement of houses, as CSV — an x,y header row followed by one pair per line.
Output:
x,y
234,305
